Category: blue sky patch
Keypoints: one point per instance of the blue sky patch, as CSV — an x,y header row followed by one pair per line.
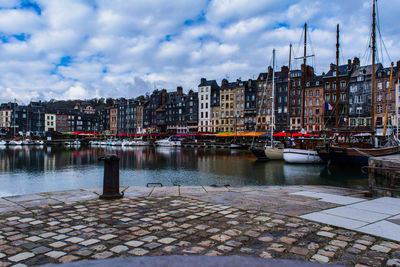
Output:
x,y
65,61
27,4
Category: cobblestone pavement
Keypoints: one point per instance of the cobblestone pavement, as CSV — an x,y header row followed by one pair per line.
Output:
x,y
60,232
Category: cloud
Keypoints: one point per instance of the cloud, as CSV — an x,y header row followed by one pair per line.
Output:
x,y
127,48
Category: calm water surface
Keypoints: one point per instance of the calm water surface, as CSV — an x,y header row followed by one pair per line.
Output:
x,y
25,170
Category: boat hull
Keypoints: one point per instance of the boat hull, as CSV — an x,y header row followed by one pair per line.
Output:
x,y
259,153
301,156
274,153
354,156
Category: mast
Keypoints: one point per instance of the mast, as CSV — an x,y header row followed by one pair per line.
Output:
x,y
387,100
337,78
373,73
273,96
304,76
288,90
15,103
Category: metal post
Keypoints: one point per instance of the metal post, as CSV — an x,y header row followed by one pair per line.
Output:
x,y
111,177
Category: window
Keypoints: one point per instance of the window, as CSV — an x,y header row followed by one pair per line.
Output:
x,y
342,84
327,86
379,98
379,86
310,93
327,97
317,93
310,102
317,102
317,111
202,105
379,109
206,105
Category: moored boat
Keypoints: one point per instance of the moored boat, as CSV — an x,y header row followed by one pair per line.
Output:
x,y
301,156
15,142
274,153
27,142
259,153
169,142
354,155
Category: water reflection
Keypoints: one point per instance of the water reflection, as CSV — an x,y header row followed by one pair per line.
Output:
x,y
36,169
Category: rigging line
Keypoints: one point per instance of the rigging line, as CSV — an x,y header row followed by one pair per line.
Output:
x,y
380,35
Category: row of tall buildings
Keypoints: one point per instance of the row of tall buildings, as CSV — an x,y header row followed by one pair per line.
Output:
x,y
299,100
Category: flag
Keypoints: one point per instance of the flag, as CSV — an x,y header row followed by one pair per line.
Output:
x,y
328,106
291,142
345,119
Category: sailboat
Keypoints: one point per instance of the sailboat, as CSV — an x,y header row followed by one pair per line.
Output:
x,y
304,150
273,152
353,152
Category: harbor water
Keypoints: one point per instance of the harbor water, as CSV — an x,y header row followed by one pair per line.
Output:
x,y
26,170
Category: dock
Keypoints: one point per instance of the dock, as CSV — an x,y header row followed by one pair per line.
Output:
x,y
265,222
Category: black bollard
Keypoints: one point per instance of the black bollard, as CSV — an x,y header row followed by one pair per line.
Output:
x,y
111,177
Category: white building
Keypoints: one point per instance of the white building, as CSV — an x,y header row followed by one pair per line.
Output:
x,y
49,122
208,96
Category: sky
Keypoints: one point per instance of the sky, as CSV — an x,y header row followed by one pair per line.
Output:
x,y
72,49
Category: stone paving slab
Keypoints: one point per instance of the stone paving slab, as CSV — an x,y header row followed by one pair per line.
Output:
x,y
154,226
259,222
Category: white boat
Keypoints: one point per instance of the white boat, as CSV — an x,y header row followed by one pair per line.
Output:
x,y
235,146
125,143
170,141
93,143
3,142
274,153
75,143
301,156
139,143
116,143
27,142
15,142
39,142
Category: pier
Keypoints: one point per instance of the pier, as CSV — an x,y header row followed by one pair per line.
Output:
x,y
256,221
384,175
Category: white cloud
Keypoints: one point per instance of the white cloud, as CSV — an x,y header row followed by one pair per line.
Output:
x,y
125,48
76,92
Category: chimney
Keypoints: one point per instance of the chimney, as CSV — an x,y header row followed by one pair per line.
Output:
x,y
269,69
179,90
163,97
203,80
349,64
224,82
284,69
356,62
398,64
332,66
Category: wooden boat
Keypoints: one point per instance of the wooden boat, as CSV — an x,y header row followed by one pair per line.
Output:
x,y
274,153
259,153
353,152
